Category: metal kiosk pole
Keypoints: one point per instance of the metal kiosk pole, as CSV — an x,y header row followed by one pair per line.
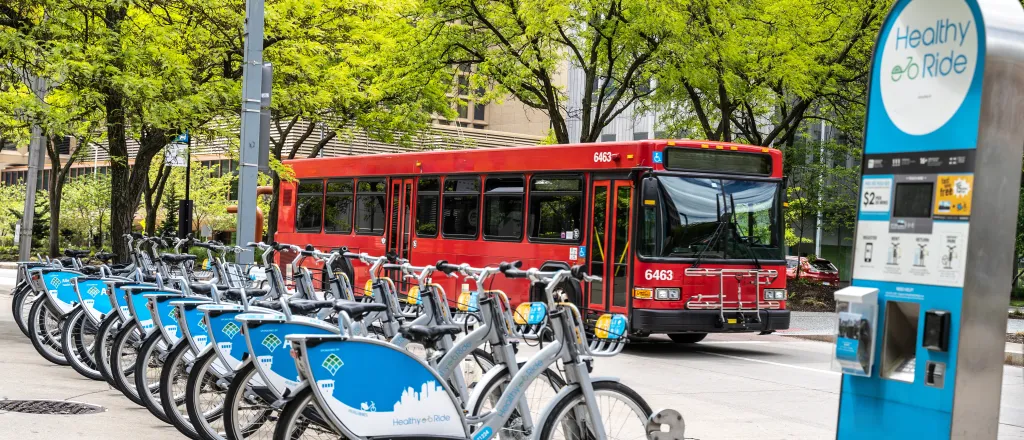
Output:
x,y
921,333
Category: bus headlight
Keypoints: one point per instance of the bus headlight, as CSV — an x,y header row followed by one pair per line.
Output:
x,y
775,294
666,294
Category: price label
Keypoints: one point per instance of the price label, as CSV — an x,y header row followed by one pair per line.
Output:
x,y
875,195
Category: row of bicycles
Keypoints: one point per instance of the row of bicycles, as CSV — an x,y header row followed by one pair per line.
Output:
x,y
238,353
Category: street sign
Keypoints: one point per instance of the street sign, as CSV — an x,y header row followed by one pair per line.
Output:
x,y
176,155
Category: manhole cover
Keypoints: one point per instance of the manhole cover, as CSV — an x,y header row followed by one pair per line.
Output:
x,y
48,407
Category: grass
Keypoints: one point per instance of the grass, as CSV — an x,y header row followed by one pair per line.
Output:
x,y
1016,302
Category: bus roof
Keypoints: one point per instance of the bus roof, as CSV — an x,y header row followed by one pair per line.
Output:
x,y
590,156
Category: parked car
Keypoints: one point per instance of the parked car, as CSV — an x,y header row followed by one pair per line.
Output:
x,y
820,271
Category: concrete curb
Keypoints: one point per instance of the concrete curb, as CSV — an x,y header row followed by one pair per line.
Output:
x,y
8,265
1014,353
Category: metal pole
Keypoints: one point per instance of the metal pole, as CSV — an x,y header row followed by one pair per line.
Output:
x,y
188,165
821,185
252,77
35,163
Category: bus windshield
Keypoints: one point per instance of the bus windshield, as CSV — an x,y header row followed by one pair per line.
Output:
x,y
712,218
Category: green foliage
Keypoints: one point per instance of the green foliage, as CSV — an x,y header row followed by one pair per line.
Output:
x,y
524,48
12,204
169,225
751,71
85,210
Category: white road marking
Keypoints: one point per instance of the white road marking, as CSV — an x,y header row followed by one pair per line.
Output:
x,y
734,342
798,367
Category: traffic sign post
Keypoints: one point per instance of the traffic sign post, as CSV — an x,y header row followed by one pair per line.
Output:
x,y
920,332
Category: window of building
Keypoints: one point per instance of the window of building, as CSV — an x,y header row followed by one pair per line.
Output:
x,y
428,197
503,207
556,208
639,135
338,206
309,208
461,209
608,137
370,203
479,126
478,111
463,111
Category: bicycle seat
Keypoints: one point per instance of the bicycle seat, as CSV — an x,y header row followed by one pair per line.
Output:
x,y
73,253
235,293
177,258
272,305
90,270
105,257
307,306
205,289
428,336
148,278
357,311
66,262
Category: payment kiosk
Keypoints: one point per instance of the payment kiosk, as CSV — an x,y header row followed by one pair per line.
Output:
x,y
920,332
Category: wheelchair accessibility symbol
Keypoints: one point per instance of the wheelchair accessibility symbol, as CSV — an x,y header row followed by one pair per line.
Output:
x,y
656,157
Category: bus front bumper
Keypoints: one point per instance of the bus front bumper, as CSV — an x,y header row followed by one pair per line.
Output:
x,y
707,321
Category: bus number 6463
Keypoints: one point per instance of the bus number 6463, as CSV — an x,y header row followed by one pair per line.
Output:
x,y
603,156
654,274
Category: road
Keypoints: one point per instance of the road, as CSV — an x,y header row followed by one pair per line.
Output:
x,y
728,387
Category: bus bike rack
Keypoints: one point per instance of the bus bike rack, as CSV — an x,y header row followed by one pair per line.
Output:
x,y
761,276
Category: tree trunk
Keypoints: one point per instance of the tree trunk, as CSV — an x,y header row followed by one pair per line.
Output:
x,y
154,193
122,206
274,200
55,193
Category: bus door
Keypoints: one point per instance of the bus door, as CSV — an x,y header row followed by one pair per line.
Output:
x,y
608,253
399,232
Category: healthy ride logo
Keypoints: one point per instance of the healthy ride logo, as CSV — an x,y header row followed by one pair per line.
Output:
x,y
928,64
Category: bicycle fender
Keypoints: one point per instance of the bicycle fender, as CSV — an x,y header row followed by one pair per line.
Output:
x,y
486,379
539,427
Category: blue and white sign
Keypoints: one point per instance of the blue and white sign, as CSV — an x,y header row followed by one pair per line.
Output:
x,y
657,157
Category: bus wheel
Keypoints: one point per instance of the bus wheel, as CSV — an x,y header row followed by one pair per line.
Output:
x,y
687,338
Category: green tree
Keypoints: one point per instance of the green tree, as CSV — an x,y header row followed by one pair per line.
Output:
x,y
12,201
752,71
525,47
86,209
169,226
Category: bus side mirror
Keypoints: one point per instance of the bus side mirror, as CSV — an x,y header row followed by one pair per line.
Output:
x,y
649,191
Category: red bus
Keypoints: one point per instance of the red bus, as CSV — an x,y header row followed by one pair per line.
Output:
x,y
687,235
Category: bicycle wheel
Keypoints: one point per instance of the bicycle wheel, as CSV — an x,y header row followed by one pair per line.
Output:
x,y
246,413
78,339
147,373
301,420
104,343
21,305
173,378
623,412
45,331
204,398
123,357
537,395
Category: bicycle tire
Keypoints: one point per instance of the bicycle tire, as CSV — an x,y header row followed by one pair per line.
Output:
x,y
602,387
43,339
236,393
21,305
293,413
150,358
128,335
496,382
105,335
174,366
75,347
199,378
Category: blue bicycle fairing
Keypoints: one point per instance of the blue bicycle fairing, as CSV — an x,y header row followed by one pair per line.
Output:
x,y
192,323
226,333
93,295
267,344
59,289
138,310
413,401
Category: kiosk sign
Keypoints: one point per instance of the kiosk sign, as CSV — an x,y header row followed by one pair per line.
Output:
x,y
928,64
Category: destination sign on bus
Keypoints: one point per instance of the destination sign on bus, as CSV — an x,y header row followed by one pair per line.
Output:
x,y
715,161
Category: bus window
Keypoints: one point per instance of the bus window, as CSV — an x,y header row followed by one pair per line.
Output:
x,y
461,209
428,196
556,208
338,207
370,194
309,207
503,208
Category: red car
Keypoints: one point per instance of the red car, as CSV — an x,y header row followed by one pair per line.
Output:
x,y
819,271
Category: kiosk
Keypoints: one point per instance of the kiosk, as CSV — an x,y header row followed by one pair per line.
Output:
x,y
920,333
